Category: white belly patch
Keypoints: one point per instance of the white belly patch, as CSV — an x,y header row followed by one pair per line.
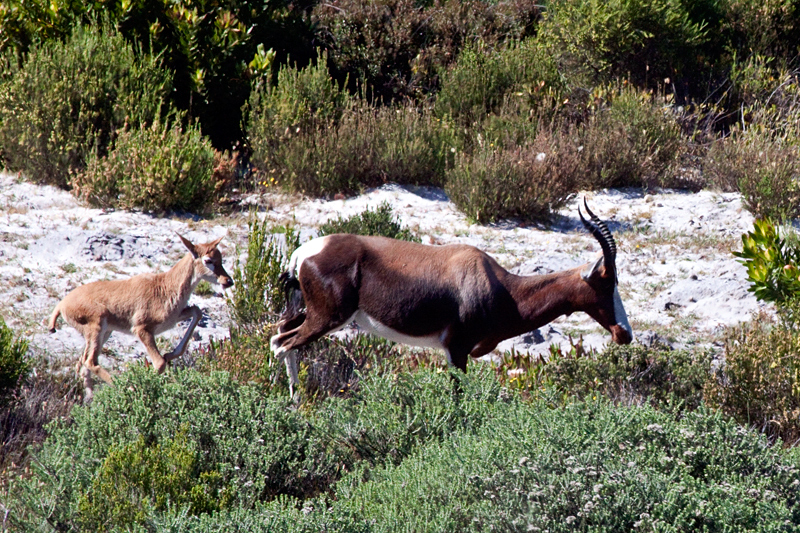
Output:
x,y
370,325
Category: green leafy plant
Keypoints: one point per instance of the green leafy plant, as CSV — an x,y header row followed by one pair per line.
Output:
x,y
258,295
380,221
157,167
772,263
65,100
14,365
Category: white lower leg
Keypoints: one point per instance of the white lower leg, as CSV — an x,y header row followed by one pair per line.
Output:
x,y
290,360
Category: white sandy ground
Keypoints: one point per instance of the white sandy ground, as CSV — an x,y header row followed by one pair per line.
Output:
x,y
678,279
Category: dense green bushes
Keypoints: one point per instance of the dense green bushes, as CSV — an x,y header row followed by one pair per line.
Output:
x,y
13,363
398,454
443,93
399,48
68,99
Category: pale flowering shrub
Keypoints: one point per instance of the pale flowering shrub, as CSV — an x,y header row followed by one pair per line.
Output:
x,y
154,168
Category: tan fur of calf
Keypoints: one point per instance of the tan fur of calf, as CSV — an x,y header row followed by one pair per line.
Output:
x,y
144,305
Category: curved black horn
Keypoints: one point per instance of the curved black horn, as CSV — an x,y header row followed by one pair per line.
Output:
x,y
603,235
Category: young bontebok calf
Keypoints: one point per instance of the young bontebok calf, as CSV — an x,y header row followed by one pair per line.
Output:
x,y
144,306
452,297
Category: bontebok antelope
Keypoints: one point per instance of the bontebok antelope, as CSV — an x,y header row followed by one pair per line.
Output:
x,y
452,297
144,306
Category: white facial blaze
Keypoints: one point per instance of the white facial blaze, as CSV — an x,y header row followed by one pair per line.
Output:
x,y
619,313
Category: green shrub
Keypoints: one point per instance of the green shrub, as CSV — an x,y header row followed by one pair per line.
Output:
x,y
381,222
213,50
14,365
258,296
483,79
633,141
759,384
365,147
769,28
762,166
398,48
68,99
528,182
155,168
588,466
594,42
251,445
301,100
627,375
634,375
137,480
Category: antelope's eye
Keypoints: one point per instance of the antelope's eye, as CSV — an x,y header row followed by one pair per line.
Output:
x,y
207,260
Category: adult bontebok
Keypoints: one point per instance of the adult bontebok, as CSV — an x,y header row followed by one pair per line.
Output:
x,y
144,306
453,297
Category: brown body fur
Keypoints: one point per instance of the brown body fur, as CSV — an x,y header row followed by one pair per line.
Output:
x,y
455,297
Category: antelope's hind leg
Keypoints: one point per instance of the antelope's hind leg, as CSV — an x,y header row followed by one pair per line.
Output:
x,y
95,336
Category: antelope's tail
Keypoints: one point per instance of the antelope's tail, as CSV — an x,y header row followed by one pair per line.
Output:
x,y
294,299
52,322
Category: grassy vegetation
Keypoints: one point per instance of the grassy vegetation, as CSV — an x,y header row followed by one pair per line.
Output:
x,y
464,95
512,109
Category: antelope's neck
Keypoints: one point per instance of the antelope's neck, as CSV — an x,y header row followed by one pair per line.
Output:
x,y
542,299
180,281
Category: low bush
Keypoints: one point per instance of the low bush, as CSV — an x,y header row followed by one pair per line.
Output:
x,y
301,100
249,445
398,48
627,375
759,384
529,182
157,168
258,296
630,141
67,99
14,365
380,222
137,480
366,147
587,466
762,166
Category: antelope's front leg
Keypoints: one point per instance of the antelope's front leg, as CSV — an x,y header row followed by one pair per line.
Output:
x,y
196,314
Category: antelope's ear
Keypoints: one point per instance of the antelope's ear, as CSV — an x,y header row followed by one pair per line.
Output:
x,y
189,245
594,270
213,244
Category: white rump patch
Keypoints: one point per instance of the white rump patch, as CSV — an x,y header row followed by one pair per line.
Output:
x,y
370,325
620,315
308,249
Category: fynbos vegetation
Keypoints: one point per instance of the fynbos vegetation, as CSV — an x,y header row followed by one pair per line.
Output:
x,y
512,108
